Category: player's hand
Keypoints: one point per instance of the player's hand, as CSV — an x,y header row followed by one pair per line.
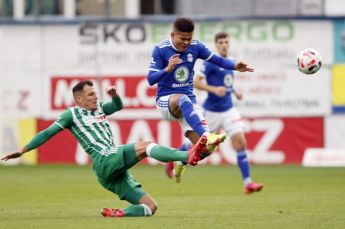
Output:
x,y
243,67
12,156
112,91
239,95
219,91
173,61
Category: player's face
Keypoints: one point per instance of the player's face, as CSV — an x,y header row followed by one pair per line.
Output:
x,y
181,40
88,98
223,46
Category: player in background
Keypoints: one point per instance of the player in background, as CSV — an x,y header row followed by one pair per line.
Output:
x,y
220,113
172,68
88,123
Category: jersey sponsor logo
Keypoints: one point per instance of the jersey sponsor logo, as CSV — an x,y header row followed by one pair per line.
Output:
x,y
190,57
181,74
180,84
88,120
228,80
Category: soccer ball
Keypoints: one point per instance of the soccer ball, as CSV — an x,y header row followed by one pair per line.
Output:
x,y
309,61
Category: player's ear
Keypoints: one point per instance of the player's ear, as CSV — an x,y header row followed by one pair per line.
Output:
x,y
78,98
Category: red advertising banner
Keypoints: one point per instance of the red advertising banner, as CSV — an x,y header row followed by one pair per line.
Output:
x,y
134,90
270,140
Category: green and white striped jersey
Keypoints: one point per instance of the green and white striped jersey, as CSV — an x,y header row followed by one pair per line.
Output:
x,y
90,128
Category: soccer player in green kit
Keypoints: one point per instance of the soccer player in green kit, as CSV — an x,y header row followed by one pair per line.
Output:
x,y
87,122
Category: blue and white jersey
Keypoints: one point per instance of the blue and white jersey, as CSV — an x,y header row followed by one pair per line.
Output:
x,y
180,80
217,76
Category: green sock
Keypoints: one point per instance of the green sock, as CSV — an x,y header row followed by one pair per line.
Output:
x,y
166,154
134,210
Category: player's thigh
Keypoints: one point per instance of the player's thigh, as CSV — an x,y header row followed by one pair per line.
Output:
x,y
135,195
214,120
125,187
163,108
117,162
130,155
232,122
184,124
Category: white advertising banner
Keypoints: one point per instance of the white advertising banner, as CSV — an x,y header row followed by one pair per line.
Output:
x,y
32,55
284,92
335,132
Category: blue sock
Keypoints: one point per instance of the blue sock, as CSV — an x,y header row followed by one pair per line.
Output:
x,y
243,164
185,147
190,115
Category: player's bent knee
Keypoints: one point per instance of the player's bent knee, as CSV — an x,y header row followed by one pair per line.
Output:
x,y
141,148
149,204
153,207
239,141
242,143
147,143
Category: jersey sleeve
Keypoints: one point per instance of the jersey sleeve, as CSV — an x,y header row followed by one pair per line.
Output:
x,y
205,70
204,52
157,68
156,63
65,120
113,106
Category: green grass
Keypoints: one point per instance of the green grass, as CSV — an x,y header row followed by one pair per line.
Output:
x,y
58,196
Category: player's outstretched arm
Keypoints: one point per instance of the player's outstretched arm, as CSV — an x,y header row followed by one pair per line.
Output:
x,y
243,67
14,154
36,141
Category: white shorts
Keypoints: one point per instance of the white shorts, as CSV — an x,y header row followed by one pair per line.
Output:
x,y
230,121
162,106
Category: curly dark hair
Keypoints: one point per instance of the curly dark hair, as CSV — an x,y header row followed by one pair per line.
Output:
x,y
184,25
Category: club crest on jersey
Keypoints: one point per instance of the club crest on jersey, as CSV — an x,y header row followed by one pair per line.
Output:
x,y
181,74
190,57
228,80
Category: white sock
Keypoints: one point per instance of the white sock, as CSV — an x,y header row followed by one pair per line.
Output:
x,y
247,181
147,210
206,134
149,148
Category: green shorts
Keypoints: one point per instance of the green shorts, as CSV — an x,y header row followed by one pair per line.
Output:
x,y
112,172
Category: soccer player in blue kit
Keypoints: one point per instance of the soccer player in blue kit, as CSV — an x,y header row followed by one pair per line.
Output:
x,y
172,68
219,110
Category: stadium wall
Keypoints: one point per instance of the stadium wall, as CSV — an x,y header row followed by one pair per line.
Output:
x,y
285,111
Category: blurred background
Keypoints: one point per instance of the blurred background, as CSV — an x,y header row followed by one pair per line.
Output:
x,y
46,46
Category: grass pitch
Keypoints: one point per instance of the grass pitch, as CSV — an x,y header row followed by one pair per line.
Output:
x,y
66,196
